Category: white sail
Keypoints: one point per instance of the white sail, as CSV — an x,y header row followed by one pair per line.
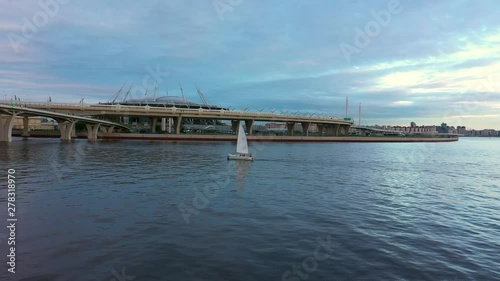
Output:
x,y
242,145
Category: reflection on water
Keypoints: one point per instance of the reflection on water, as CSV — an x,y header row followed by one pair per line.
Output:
x,y
241,168
392,211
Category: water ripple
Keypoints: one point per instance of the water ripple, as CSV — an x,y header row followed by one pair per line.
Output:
x,y
88,209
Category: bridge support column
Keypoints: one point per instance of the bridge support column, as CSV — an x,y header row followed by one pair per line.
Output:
x,y
92,130
346,129
6,124
73,132
305,128
26,126
290,126
107,130
341,130
321,129
329,130
249,126
66,128
153,122
170,125
163,124
177,124
235,124
336,130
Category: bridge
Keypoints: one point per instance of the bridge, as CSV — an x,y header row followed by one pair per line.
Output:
x,y
330,126
66,122
402,131
375,130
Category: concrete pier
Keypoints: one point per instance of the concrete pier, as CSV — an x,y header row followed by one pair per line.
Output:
x,y
249,126
6,124
66,129
154,121
107,130
164,124
92,131
321,129
305,128
235,124
26,126
177,124
290,126
336,130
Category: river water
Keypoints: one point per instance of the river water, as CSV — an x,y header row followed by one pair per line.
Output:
x,y
155,210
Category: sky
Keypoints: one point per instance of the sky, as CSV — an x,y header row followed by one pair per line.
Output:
x,y
423,61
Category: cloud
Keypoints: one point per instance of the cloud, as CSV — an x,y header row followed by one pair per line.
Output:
x,y
9,27
266,55
401,103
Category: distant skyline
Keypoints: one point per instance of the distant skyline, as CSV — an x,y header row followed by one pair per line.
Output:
x,y
423,61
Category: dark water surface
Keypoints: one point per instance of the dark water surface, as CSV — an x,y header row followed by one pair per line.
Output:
x,y
140,210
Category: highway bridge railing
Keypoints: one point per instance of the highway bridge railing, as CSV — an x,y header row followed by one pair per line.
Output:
x,y
118,107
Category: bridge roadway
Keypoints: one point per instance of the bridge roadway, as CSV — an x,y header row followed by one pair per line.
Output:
x,y
368,129
331,126
66,122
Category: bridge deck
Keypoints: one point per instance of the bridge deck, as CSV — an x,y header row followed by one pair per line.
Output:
x,y
66,121
123,110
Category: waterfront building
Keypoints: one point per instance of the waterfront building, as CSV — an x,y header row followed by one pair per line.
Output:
x,y
489,133
461,130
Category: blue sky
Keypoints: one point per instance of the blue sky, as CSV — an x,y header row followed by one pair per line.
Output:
x,y
422,61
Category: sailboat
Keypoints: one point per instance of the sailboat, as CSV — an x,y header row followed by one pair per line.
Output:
x,y
241,147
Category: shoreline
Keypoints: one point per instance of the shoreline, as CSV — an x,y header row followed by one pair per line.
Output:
x,y
232,138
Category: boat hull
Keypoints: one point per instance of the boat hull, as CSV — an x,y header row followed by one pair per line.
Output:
x,y
238,157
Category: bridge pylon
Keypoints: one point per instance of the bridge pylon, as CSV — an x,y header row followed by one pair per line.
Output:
x,y
235,124
290,126
249,126
305,128
177,124
66,129
6,124
321,129
26,127
92,130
